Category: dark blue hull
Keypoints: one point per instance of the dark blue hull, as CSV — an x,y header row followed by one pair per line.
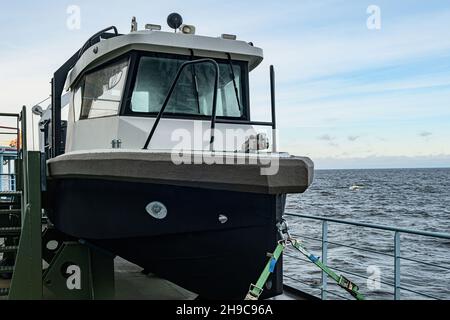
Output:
x,y
193,246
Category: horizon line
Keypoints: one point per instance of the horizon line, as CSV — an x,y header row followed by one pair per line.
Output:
x,y
387,168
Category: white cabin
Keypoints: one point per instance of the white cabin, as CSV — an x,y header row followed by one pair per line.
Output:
x,y
118,85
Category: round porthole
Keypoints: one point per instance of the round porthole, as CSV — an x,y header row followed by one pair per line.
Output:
x,y
157,210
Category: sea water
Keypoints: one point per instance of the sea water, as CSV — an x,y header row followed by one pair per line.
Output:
x,y
408,198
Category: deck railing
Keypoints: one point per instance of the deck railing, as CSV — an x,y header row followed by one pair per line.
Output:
x,y
394,253
7,182
9,153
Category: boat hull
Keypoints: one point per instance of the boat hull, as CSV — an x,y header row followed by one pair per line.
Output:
x,y
211,242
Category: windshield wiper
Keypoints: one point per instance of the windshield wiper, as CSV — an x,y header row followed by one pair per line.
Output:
x,y
230,62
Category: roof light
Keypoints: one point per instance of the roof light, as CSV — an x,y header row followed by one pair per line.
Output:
x,y
187,29
229,36
152,27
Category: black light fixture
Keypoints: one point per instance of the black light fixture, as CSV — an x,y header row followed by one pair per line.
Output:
x,y
37,110
174,20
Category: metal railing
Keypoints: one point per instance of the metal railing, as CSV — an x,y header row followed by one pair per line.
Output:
x,y
171,90
7,182
396,255
15,130
11,152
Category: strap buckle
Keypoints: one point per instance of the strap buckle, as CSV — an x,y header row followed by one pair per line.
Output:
x,y
254,293
283,230
347,284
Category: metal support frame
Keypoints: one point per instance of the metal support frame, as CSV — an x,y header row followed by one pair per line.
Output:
x,y
29,282
26,283
78,272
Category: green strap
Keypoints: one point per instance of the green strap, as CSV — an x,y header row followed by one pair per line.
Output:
x,y
256,290
343,282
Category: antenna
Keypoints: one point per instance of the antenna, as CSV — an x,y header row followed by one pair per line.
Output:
x,y
174,20
134,25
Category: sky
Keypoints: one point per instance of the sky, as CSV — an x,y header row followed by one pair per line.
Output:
x,y
349,95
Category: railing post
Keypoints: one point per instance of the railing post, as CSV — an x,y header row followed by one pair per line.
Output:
x,y
324,258
24,171
397,293
273,107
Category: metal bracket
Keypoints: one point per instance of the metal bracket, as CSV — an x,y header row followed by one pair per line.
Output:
x,y
78,272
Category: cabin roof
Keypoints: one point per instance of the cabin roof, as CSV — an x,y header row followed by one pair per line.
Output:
x,y
164,42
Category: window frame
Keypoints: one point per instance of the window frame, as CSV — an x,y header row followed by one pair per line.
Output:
x,y
82,77
134,57
130,84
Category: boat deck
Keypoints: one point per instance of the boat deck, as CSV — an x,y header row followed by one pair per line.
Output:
x,y
131,284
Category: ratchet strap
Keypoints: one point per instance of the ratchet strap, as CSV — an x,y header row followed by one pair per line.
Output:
x,y
256,290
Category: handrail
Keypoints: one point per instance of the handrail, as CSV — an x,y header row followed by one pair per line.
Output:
x,y
375,226
89,43
5,114
16,132
372,251
58,83
397,284
345,245
420,293
172,88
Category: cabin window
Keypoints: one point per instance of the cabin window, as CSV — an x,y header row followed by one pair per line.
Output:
x,y
77,101
101,91
193,94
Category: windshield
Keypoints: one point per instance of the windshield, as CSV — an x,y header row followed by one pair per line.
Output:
x,y
99,93
193,94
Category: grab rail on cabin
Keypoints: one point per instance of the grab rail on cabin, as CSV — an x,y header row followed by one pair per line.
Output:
x,y
393,282
96,38
58,83
272,124
172,88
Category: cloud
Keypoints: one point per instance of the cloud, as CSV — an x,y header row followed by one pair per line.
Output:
x,y
425,134
332,73
326,137
333,144
329,139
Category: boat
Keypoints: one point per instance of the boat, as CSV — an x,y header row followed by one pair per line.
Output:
x,y
158,161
